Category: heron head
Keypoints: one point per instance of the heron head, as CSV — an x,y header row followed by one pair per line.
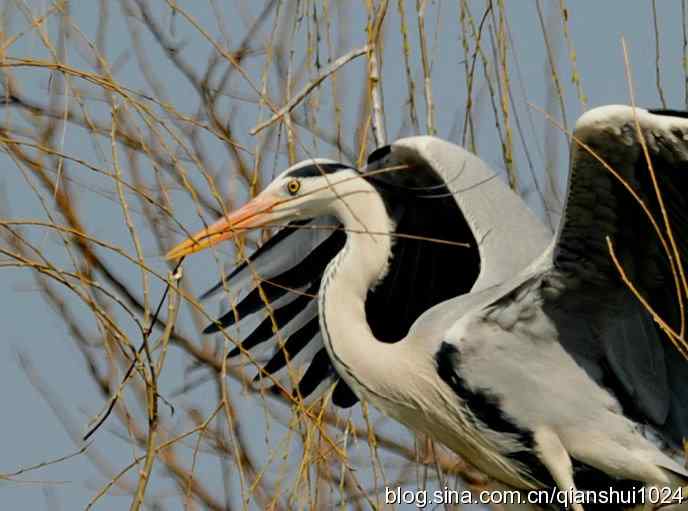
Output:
x,y
305,190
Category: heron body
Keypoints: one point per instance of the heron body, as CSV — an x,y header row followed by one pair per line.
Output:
x,y
529,356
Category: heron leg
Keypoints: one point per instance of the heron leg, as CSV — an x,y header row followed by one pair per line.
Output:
x,y
553,455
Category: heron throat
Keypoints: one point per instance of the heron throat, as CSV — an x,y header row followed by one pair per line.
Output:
x,y
358,267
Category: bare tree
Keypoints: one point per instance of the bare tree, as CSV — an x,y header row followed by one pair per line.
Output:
x,y
126,124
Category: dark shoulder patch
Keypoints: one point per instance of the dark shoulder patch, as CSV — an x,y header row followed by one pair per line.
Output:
x,y
670,113
483,404
318,169
485,407
379,153
343,396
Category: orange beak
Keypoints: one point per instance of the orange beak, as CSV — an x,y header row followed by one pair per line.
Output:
x,y
252,215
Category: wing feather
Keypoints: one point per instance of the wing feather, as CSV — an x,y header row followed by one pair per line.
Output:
x,y
609,331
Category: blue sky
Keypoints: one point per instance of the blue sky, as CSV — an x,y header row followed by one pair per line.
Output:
x,y
31,431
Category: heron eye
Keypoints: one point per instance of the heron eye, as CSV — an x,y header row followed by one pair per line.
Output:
x,y
293,186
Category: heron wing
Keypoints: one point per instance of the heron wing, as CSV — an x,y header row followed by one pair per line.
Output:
x,y
507,233
431,239
283,277
600,321
452,235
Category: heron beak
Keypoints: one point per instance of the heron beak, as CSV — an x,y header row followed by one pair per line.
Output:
x,y
253,214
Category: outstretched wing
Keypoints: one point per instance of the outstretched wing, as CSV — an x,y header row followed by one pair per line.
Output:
x,y
600,321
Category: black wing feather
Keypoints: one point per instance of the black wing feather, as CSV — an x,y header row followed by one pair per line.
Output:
x,y
616,340
282,316
253,302
292,347
308,271
319,370
343,396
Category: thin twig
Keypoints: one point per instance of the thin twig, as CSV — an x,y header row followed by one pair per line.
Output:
x,y
43,464
427,81
141,349
375,75
152,394
658,55
293,102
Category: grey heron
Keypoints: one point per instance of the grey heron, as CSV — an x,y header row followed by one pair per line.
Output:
x,y
530,357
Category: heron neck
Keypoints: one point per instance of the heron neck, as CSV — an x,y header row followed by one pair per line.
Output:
x,y
359,265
